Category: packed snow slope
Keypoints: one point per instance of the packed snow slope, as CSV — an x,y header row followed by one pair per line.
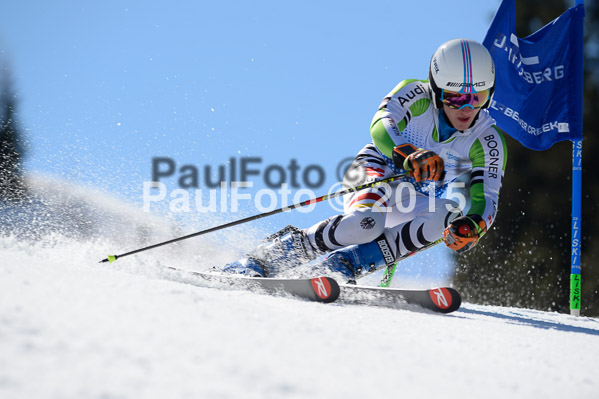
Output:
x,y
73,328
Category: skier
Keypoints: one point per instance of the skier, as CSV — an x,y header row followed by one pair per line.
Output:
x,y
440,132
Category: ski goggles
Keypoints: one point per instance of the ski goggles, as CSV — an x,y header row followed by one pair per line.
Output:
x,y
460,100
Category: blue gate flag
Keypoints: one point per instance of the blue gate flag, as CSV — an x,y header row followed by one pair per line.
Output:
x,y
538,84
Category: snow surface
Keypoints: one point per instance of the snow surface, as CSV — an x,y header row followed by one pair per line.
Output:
x,y
73,328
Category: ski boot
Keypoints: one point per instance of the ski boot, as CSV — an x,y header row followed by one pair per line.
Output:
x,y
356,261
285,249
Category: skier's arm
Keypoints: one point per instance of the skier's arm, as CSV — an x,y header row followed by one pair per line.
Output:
x,y
488,155
394,114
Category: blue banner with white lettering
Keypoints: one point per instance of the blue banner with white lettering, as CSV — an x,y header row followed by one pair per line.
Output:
x,y
538,85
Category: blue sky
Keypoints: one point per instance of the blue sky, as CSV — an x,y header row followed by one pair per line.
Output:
x,y
103,87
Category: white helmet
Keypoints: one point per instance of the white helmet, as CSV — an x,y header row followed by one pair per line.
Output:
x,y
462,66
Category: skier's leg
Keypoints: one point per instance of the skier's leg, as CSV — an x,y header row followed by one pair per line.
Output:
x,y
363,220
415,229
285,249
292,247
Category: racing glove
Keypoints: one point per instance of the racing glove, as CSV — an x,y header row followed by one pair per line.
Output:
x,y
464,232
422,164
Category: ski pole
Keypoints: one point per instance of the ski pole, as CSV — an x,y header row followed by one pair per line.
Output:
x,y
112,258
390,270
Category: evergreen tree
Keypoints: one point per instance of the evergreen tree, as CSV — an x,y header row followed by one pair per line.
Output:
x,y
525,258
12,187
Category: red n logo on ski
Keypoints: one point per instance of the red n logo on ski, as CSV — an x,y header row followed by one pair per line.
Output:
x,y
441,297
322,287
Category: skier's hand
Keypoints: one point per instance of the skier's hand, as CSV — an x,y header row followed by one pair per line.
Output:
x,y
422,164
464,232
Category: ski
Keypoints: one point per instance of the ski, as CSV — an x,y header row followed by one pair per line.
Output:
x,y
318,289
442,299
326,290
